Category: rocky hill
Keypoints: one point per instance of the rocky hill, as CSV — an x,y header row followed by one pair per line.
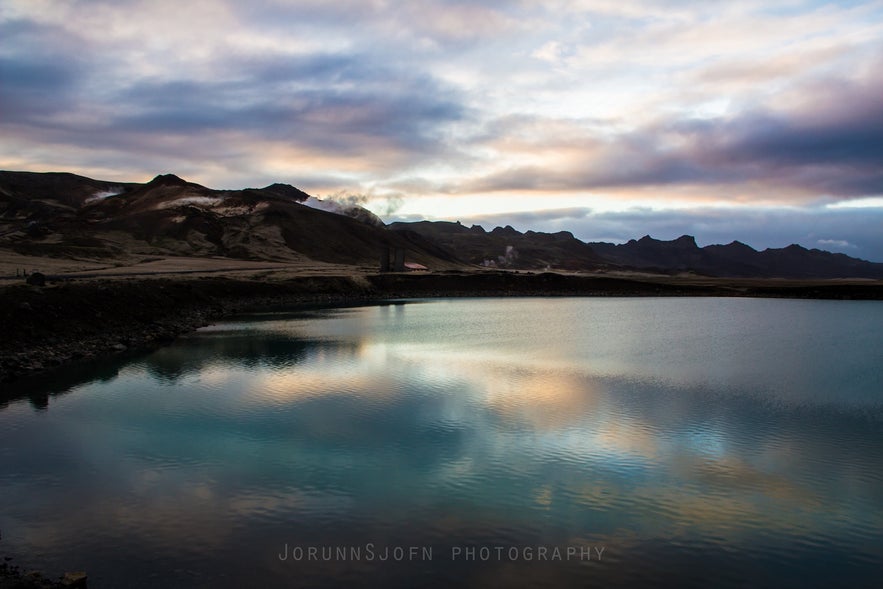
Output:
x,y
734,260
504,247
65,215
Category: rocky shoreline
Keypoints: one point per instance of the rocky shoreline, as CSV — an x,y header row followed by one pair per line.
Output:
x,y
47,327
12,577
69,322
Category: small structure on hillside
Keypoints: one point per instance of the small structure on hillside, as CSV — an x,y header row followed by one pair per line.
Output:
x,y
415,267
397,264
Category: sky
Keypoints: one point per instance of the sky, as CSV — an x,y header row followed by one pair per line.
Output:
x,y
757,121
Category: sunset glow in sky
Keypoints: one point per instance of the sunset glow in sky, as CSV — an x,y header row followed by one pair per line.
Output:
x,y
760,121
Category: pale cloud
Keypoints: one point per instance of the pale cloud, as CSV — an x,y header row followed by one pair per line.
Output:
x,y
840,244
551,52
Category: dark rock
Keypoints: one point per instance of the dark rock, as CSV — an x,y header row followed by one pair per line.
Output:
x,y
76,580
37,279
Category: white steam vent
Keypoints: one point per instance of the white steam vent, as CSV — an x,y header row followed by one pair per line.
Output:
x,y
346,205
101,195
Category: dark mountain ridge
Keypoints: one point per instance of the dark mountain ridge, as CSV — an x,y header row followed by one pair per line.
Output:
x,y
735,260
505,247
563,251
70,216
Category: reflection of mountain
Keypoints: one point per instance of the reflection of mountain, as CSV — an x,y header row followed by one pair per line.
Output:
x,y
192,354
39,388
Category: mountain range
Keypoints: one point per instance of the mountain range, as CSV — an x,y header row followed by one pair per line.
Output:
x,y
64,215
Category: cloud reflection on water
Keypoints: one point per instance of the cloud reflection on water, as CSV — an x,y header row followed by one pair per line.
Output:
x,y
237,439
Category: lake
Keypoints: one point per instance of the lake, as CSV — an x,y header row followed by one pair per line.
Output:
x,y
553,442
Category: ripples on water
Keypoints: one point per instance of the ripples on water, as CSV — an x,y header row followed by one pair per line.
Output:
x,y
724,442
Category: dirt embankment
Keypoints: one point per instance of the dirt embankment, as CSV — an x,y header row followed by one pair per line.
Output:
x,y
47,327
44,327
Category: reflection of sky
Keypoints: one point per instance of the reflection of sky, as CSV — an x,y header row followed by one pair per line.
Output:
x,y
218,440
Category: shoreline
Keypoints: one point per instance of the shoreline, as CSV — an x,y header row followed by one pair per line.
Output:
x,y
73,322
13,576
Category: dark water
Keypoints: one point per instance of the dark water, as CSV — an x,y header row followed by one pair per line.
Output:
x,y
655,442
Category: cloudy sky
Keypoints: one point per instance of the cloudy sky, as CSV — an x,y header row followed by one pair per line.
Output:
x,y
760,121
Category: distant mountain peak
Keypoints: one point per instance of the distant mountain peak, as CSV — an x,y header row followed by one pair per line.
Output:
x,y
683,241
507,230
167,180
280,190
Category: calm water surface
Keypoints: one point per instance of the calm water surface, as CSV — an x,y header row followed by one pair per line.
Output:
x,y
698,442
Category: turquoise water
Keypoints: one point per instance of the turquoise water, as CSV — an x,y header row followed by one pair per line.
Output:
x,y
691,441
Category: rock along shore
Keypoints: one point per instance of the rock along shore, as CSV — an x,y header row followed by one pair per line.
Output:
x,y
68,322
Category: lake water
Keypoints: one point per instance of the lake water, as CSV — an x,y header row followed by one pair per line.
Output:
x,y
511,442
